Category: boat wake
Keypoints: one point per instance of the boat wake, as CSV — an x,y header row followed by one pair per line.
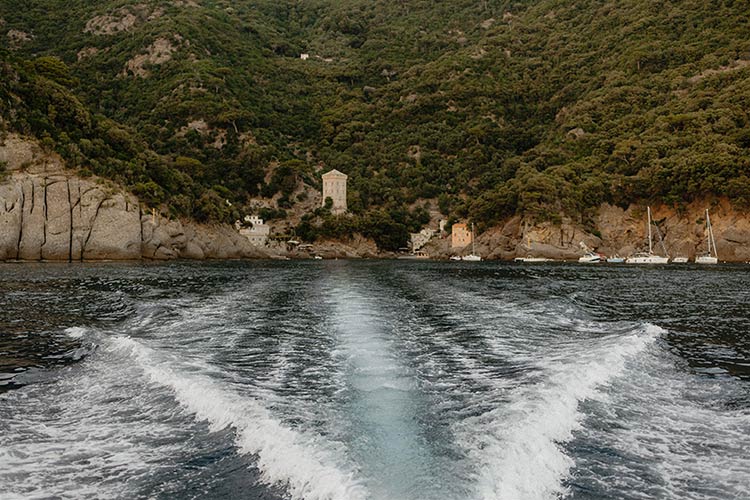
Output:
x,y
306,466
518,447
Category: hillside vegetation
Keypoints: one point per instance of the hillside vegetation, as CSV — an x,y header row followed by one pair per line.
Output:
x,y
486,108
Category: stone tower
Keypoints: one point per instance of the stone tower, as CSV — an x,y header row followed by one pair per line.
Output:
x,y
334,187
460,235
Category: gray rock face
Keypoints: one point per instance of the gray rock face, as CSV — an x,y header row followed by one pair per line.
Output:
x,y
11,213
33,224
115,230
49,214
56,217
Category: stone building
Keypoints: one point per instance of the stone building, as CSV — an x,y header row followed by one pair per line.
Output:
x,y
460,235
334,187
258,232
420,239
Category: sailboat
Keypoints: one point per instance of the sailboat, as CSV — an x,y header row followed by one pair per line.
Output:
x,y
710,257
472,257
650,257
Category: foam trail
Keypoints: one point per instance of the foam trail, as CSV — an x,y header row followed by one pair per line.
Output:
x,y
688,433
302,464
75,332
520,454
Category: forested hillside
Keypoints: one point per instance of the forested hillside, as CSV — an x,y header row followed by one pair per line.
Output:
x,y
488,108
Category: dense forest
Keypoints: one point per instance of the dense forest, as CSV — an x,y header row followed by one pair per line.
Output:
x,y
482,108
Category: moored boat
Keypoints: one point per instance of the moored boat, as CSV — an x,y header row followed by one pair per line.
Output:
x,y
472,257
650,257
590,257
532,259
711,256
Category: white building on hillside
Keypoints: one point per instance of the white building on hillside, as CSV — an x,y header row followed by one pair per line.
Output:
x,y
258,232
420,239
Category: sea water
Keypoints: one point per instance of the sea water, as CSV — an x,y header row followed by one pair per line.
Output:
x,y
383,380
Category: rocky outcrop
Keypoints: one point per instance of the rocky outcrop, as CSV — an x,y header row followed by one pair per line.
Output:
x,y
349,248
682,231
615,231
49,214
164,239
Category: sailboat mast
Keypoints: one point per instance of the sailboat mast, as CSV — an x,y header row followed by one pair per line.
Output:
x,y
711,242
472,239
650,250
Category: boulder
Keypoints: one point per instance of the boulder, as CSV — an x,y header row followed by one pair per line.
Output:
x,y
115,230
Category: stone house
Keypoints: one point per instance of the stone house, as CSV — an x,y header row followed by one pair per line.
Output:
x,y
257,233
420,239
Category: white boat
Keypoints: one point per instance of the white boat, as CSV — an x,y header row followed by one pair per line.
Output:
x,y
472,257
590,257
679,260
455,257
646,258
616,259
710,257
706,259
419,255
531,259
650,257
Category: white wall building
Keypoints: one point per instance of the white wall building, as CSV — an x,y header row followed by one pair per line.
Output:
x,y
258,232
420,239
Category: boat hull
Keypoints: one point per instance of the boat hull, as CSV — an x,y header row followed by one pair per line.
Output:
x,y
590,260
705,259
647,259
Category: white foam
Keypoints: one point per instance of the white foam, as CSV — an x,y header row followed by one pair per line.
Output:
x,y
677,423
57,437
75,332
306,465
518,446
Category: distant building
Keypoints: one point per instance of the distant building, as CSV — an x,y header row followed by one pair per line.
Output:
x,y
420,239
304,57
460,235
258,232
334,187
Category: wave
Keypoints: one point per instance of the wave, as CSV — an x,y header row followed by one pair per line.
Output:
x,y
518,447
669,433
305,465
75,332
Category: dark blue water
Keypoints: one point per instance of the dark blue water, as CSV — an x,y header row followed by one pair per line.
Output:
x,y
374,380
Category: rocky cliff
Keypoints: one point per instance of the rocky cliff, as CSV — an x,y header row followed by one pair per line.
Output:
x,y
617,231
49,214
